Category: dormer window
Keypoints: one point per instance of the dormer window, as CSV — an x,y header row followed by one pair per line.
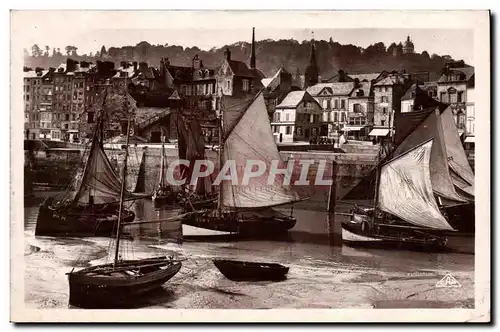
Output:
x,y
360,93
207,72
200,73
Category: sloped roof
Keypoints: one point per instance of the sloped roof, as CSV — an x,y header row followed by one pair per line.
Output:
x,y
467,71
241,69
180,73
336,89
368,77
389,80
365,87
293,98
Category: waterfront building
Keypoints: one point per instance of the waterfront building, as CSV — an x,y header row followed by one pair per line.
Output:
x,y
297,118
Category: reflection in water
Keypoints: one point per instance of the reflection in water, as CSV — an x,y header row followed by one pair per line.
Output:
x,y
316,237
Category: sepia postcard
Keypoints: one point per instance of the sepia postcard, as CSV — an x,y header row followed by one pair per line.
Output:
x,y
250,166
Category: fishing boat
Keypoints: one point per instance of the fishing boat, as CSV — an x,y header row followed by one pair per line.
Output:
x,y
415,188
247,209
251,271
91,210
164,193
119,284
191,147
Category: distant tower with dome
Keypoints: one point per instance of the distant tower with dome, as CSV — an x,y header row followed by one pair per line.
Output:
x,y
408,47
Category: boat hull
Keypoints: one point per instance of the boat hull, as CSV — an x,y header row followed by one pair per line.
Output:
x,y
79,221
251,271
92,291
357,232
241,224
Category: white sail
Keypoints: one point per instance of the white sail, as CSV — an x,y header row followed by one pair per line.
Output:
x,y
405,189
251,138
457,159
431,128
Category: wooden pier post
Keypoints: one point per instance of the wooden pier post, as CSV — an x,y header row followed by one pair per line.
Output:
x,y
332,195
334,229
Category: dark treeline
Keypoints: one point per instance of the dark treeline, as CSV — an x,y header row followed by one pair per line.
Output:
x,y
271,55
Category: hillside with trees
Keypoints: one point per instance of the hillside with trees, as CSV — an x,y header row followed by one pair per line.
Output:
x,y
271,55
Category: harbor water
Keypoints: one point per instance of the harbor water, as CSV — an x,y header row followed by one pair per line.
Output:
x,y
324,272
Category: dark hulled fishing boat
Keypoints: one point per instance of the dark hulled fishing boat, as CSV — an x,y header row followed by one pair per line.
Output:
x,y
420,190
247,209
91,210
121,283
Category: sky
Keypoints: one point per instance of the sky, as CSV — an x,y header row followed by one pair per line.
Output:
x,y
89,30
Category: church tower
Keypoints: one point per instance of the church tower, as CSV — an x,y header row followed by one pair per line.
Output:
x,y
252,52
312,72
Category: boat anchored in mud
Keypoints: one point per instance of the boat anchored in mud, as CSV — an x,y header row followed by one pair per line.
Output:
x,y
121,283
93,209
425,178
248,209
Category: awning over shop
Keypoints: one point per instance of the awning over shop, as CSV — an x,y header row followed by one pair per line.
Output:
x,y
352,128
379,132
470,139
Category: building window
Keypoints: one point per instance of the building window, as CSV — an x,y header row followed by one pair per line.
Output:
x,y
311,118
90,117
336,103
325,104
276,129
385,99
287,117
288,130
382,122
442,97
298,131
306,104
342,103
246,85
460,97
336,116
228,85
453,97
357,108
277,117
343,117
384,110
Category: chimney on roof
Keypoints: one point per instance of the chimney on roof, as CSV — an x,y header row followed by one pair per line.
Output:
x,y
227,54
70,65
252,52
196,62
342,75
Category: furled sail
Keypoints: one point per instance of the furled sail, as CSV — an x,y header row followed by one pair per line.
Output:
x,y
441,180
461,173
99,180
405,189
251,139
192,148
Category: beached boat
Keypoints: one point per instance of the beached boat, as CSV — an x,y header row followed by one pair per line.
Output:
x,y
121,283
423,179
93,209
247,209
251,271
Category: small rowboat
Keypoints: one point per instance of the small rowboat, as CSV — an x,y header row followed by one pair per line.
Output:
x,y
243,271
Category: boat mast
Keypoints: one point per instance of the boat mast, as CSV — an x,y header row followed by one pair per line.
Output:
x,y
162,168
122,192
377,178
221,149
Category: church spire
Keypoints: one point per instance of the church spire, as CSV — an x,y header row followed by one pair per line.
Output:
x,y
312,71
252,52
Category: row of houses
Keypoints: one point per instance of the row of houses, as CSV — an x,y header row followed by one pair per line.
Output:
x,y
61,103
363,107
